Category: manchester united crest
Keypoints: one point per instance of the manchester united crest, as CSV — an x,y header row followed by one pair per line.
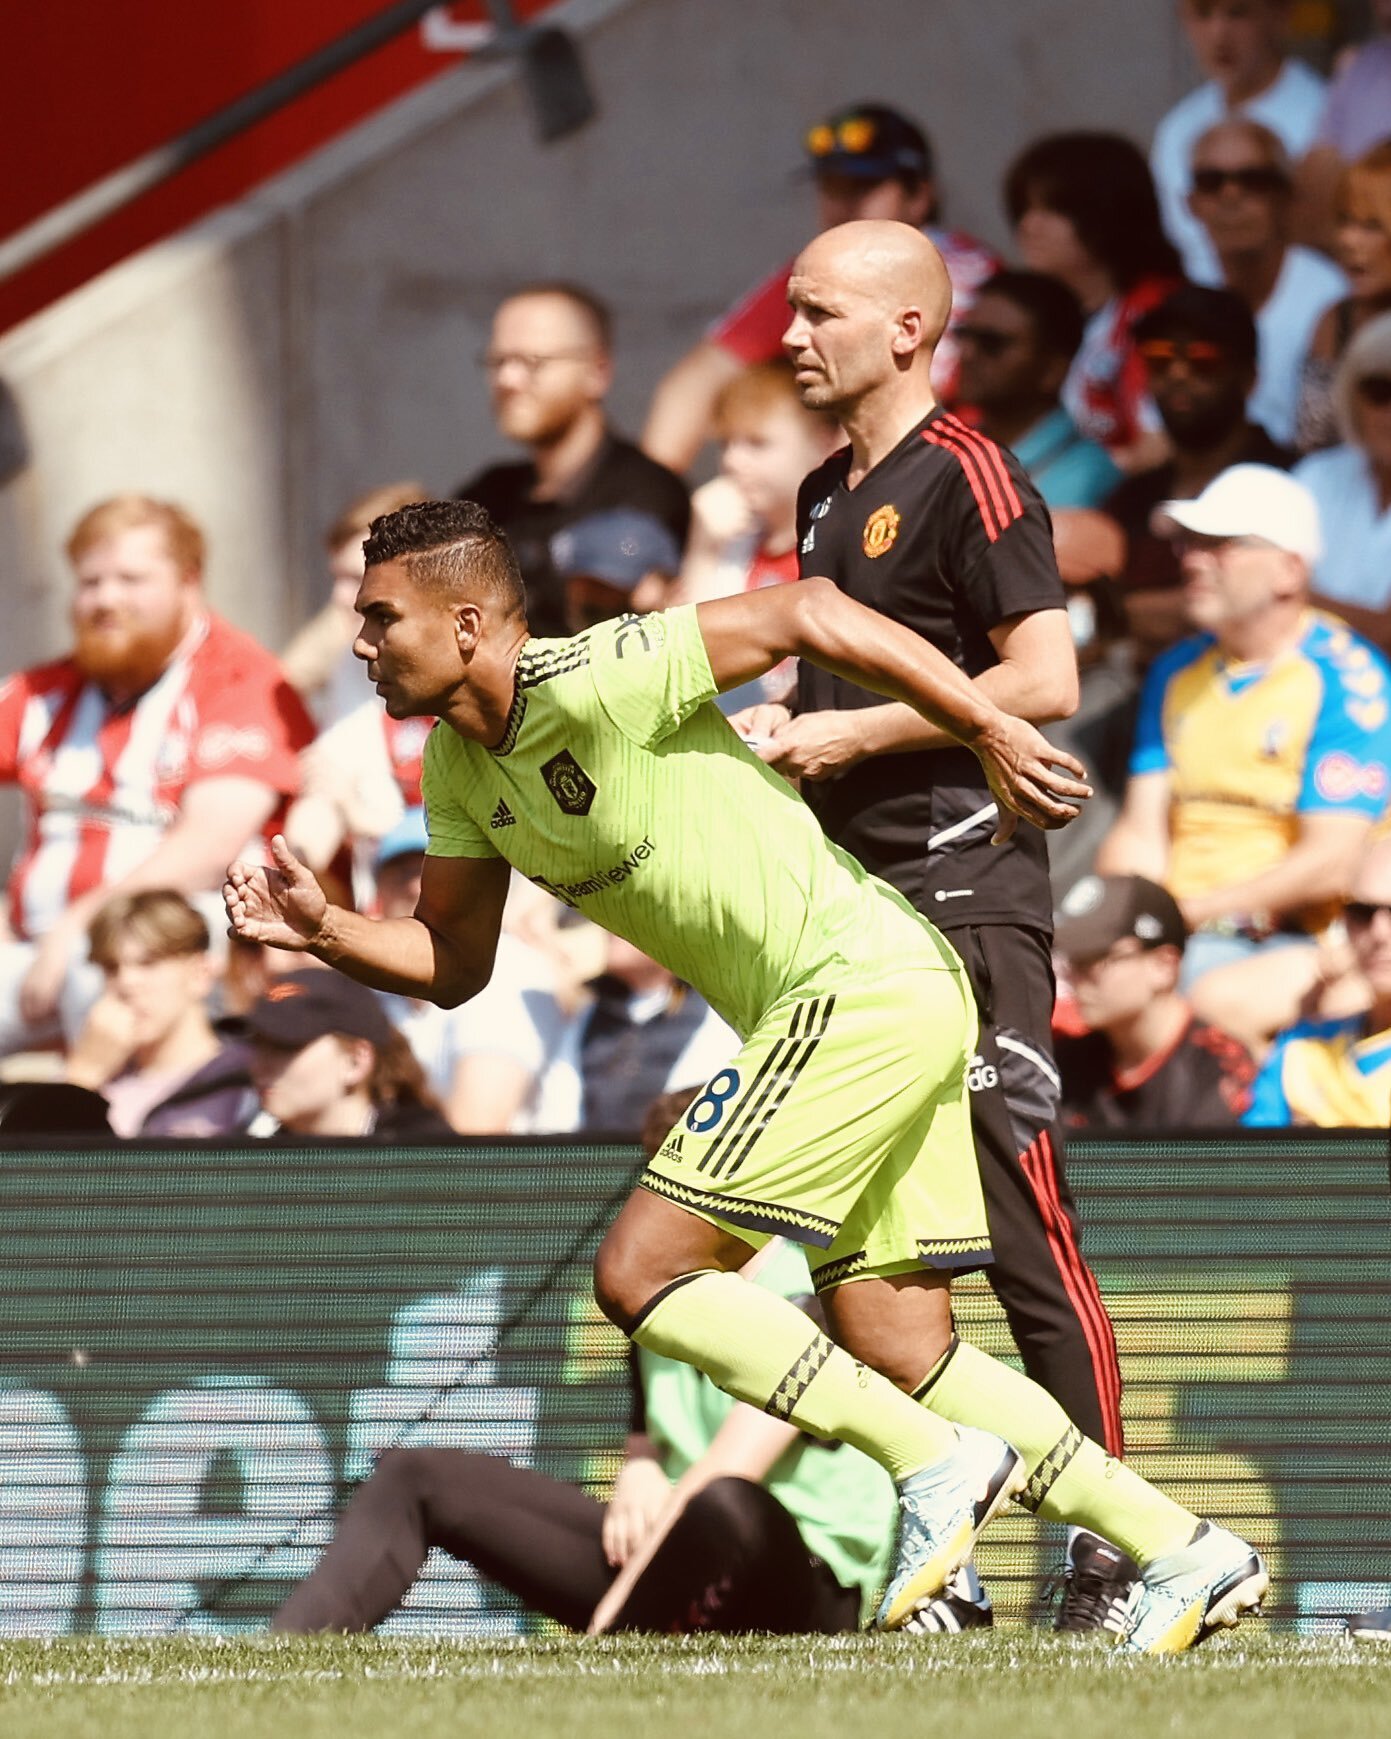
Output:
x,y
569,784
881,528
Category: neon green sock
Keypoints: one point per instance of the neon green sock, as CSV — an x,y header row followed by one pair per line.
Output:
x,y
763,1350
1071,1478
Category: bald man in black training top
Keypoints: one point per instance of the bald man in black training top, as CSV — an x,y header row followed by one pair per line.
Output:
x,y
938,527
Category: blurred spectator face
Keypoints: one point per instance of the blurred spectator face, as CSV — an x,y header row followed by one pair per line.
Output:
x,y
1241,196
302,1088
1235,42
133,606
1002,361
345,571
846,198
1362,238
545,367
1368,918
1047,241
1227,581
398,884
156,991
767,449
1121,983
1371,398
1200,389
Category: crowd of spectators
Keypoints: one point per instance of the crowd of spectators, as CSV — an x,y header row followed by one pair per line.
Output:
x,y
1190,354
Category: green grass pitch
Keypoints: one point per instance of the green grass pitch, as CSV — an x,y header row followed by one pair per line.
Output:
x,y
1012,1684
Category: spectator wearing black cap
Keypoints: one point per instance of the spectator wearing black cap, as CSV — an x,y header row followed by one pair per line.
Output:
x,y
326,1061
867,161
1198,348
1145,1061
1016,347
549,364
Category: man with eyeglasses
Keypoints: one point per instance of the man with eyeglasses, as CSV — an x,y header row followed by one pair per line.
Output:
x,y
1262,754
1199,351
549,366
1243,195
1336,1074
1144,1061
867,161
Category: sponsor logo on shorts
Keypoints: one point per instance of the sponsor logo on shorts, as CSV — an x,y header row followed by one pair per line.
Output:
x,y
502,815
670,1150
572,788
571,893
881,528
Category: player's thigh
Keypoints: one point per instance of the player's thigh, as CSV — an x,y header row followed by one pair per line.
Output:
x,y
923,1208
788,1136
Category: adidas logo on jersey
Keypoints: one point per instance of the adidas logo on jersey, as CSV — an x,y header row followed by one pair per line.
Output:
x,y
503,816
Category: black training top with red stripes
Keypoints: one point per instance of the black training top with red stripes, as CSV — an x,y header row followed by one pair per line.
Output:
x,y
948,536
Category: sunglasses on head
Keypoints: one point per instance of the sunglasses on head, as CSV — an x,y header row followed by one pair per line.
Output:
x,y
855,135
1197,354
1256,179
987,341
1375,389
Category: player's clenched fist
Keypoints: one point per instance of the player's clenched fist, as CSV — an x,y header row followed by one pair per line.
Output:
x,y
280,905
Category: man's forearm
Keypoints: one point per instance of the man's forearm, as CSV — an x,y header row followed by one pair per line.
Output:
x,y
896,729
400,955
1300,879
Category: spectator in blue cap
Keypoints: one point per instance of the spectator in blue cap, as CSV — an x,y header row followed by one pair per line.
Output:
x,y
621,559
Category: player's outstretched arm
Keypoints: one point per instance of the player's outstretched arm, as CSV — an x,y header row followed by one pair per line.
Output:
x,y
443,954
747,635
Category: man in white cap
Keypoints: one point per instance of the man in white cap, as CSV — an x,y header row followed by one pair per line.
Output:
x,y
1262,753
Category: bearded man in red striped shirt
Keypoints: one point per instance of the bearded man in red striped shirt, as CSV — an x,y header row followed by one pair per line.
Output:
x,y
157,748
933,524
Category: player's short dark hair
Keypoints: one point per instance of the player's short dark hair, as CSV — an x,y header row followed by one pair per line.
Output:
x,y
1197,311
1102,183
594,312
1051,305
451,544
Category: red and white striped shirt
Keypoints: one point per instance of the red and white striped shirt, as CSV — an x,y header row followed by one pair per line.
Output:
x,y
103,782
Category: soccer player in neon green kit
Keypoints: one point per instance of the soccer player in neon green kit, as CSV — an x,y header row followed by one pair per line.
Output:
x,y
600,767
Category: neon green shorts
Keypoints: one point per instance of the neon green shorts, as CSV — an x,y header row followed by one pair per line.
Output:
x,y
844,1123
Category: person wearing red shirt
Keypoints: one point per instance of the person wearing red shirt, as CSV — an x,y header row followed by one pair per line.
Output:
x,y
165,739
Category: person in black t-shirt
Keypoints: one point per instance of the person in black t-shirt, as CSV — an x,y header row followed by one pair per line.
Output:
x,y
549,366
1145,1063
1199,351
932,523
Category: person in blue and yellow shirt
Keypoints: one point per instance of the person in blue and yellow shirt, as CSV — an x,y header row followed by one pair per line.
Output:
x,y
1262,753
1336,1074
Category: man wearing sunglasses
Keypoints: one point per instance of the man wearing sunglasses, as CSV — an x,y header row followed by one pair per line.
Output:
x,y
1199,351
1262,754
1243,195
1336,1074
867,161
1240,46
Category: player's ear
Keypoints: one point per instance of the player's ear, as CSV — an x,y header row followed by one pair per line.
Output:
x,y
468,625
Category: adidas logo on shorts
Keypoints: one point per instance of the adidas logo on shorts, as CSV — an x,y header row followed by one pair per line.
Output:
x,y
503,816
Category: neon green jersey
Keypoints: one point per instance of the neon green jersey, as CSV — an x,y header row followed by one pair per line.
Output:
x,y
623,791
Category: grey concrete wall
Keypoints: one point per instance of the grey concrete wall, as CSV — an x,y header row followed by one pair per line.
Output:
x,y
319,338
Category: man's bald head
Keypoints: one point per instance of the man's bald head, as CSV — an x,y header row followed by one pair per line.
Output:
x,y
893,264
869,302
